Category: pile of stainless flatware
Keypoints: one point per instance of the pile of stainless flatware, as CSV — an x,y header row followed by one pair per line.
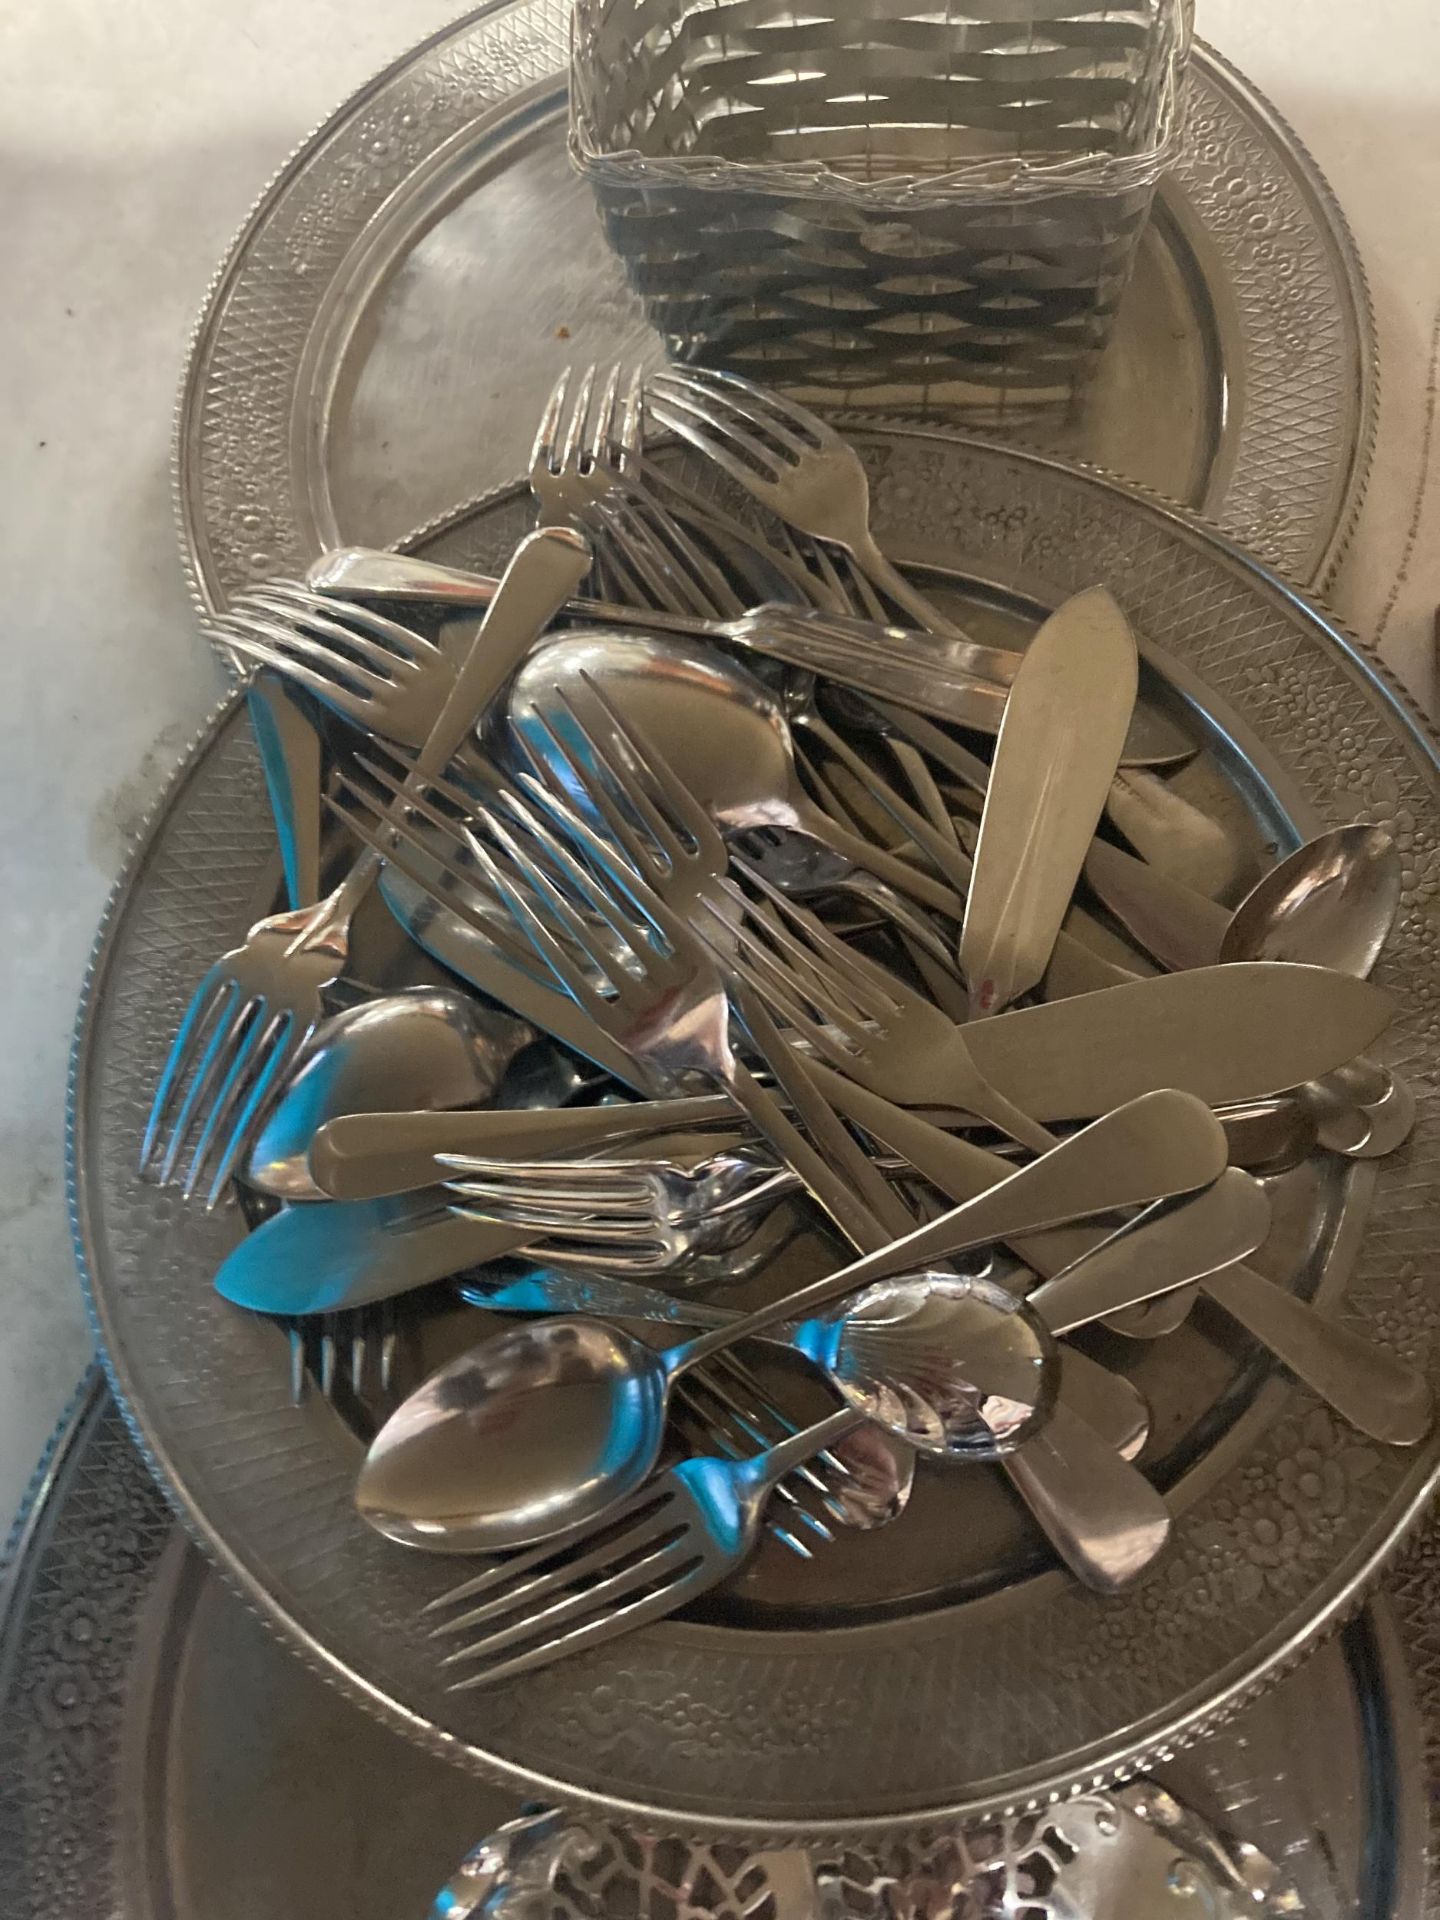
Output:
x,y
767,924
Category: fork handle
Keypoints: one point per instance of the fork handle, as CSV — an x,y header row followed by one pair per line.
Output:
x,y
872,562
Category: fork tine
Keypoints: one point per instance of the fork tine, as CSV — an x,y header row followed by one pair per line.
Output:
x,y
598,783
284,1049
789,996
353,677
574,440
198,1019
527,1560
392,634
631,435
663,1560
619,1619
526,874
717,440
252,1039
664,802
873,990
765,1432
350,704
743,414
606,1546
713,596
376,638
633,589
630,549
408,856
542,448
209,1069
599,441
749,400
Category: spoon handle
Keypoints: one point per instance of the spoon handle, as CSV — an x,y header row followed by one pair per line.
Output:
x,y
1103,1168
1100,1514
1377,1392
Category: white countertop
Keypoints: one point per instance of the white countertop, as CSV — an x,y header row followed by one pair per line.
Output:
x,y
136,139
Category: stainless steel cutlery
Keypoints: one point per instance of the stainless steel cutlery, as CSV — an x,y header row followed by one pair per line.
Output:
x,y
799,955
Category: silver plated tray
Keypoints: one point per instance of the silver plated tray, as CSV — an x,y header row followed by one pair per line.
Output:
x,y
884,1688
381,335
134,1789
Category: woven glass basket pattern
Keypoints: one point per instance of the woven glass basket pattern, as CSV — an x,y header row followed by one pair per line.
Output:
x,y
877,200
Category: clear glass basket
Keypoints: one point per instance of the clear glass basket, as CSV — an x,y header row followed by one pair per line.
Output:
x,y
882,203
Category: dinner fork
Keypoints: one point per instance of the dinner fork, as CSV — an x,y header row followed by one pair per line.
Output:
x,y
588,470
792,462
252,1014
678,850
353,1358
681,1535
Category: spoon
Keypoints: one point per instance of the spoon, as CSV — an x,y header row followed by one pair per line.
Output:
x,y
430,1048
728,733
546,1425
1333,902
1106,1401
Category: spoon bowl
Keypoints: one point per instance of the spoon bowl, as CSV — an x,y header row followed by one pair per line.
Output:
x,y
1331,903
721,727
545,1426
539,1428
423,1047
956,1366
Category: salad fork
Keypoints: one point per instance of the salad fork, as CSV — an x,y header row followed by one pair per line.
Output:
x,y
252,1014
381,676
791,462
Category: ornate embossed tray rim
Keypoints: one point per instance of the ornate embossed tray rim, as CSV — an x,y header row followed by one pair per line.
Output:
x,y
1349,745
90,1699
265,356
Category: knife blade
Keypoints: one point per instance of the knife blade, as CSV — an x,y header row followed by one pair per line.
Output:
x,y
1180,927
327,1254
1057,752
1227,1034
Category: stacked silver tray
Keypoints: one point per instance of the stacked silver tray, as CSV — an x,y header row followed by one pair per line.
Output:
x,y
333,397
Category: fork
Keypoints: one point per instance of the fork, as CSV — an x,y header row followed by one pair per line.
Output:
x,y
253,1012
679,851
791,462
588,470
352,1358
637,1216
681,1535
381,676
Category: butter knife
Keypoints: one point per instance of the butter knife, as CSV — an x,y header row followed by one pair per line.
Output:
x,y
1227,1034
1056,755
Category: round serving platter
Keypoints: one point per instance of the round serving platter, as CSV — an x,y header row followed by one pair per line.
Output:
x,y
138,1786
381,336
813,1704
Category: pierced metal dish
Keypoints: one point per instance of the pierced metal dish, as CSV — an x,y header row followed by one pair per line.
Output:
x,y
134,1789
395,309
881,1689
